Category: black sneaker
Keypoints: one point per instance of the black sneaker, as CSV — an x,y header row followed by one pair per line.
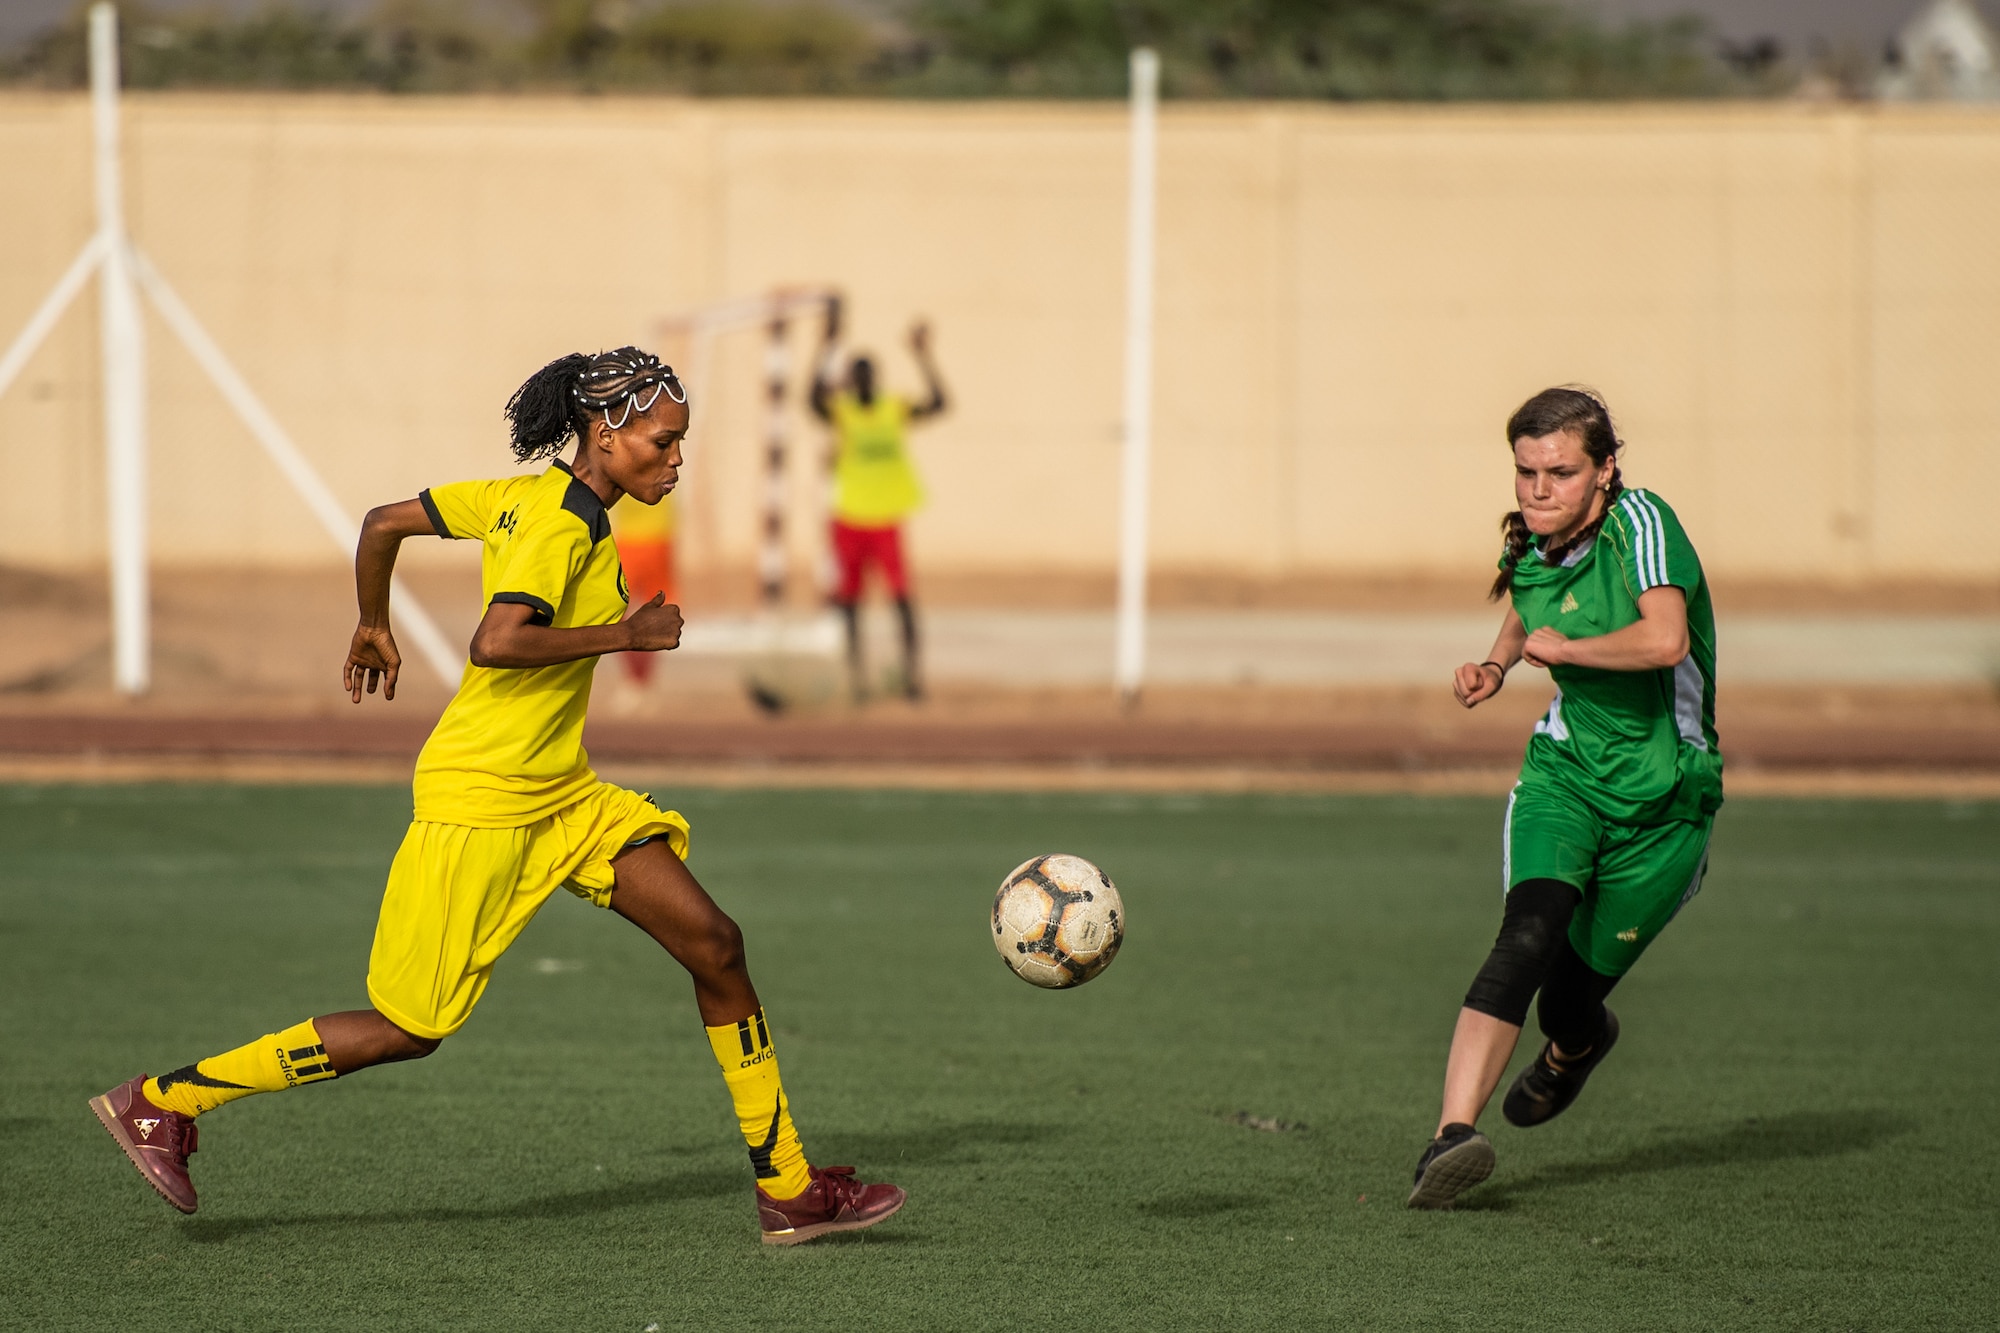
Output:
x,y
1456,1160
1544,1090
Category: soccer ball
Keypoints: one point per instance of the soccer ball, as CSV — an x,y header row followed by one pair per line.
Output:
x,y
1057,921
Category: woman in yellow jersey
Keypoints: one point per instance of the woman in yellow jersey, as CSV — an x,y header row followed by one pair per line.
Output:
x,y
874,486
507,807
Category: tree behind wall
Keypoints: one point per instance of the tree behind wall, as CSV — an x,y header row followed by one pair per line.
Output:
x,y
1347,49
1344,49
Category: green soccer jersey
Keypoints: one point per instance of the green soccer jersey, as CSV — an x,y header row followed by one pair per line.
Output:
x,y
1639,746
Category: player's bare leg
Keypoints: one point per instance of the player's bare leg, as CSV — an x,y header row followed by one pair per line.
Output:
x,y
153,1119
857,672
653,889
1459,1157
906,612
656,892
1480,1049
358,1038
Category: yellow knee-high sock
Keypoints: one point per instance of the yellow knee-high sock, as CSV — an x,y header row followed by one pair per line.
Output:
x,y
272,1063
750,1068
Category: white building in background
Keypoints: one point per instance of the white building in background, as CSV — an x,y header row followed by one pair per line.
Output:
x,y
1947,52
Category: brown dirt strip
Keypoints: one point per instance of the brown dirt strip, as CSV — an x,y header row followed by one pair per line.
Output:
x,y
663,780
1130,754
1391,746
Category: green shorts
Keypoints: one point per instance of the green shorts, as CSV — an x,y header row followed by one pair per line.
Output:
x,y
1634,878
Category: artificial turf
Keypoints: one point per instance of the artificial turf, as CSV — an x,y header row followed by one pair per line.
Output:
x,y
1791,1135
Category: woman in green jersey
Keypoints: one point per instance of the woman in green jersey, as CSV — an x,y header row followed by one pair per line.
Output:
x,y
1607,829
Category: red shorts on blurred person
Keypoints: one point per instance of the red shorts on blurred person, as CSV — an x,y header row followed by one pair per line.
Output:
x,y
649,569
854,549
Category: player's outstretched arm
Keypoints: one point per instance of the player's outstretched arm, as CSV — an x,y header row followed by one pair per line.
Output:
x,y
508,637
1658,638
1476,682
372,658
920,344
820,396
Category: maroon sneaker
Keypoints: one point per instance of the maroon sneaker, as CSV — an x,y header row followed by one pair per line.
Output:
x,y
835,1201
158,1141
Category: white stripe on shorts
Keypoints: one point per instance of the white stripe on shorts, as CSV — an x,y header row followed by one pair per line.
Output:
x,y
1700,873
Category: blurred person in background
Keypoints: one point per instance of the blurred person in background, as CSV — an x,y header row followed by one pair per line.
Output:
x,y
875,487
645,538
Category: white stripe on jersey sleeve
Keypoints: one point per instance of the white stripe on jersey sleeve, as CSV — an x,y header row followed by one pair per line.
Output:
x,y
1642,562
1641,539
1659,539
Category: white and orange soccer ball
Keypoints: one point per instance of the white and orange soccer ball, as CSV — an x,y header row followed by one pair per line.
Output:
x,y
1058,921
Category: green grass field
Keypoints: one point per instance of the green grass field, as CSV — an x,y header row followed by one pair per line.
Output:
x,y
1792,1134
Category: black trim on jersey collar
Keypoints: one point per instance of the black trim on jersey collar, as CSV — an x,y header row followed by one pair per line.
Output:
x,y
431,512
543,612
580,500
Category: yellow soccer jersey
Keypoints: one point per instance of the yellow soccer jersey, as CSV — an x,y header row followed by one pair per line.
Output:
x,y
874,485
509,749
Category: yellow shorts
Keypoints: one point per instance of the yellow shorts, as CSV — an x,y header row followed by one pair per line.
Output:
x,y
458,896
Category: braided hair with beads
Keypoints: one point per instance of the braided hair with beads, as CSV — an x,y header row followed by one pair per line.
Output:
x,y
1583,413
557,401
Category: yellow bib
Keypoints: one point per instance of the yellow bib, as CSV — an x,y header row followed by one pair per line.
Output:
x,y
874,485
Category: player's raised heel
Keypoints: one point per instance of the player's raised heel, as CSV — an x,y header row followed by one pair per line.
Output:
x,y
835,1201
1456,1160
157,1140
1544,1090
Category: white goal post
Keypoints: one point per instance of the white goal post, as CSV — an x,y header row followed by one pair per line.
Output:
x,y
1136,472
122,272
698,328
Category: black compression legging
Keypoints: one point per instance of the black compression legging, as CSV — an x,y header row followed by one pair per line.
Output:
x,y
1533,953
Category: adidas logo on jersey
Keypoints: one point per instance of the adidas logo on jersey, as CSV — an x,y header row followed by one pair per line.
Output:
x,y
1569,602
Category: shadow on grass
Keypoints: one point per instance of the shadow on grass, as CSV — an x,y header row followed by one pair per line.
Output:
x,y
940,1143
1800,1135
660,1189
1200,1204
880,1150
898,1232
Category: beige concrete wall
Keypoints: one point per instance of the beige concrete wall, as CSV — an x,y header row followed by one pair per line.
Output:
x,y
1795,310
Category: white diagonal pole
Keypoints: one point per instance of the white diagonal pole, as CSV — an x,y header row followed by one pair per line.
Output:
x,y
121,269
124,376
15,359
346,533
1137,479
